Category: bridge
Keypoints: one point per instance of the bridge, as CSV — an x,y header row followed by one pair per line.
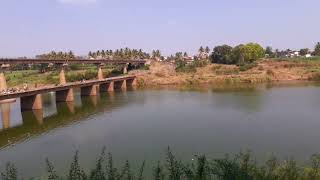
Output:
x,y
31,99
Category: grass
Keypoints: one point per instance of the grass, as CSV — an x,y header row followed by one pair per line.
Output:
x,y
241,166
314,58
184,67
16,78
245,67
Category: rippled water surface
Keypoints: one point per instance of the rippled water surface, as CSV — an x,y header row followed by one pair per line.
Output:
x,y
139,125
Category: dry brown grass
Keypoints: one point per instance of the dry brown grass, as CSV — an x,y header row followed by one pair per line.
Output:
x,y
266,70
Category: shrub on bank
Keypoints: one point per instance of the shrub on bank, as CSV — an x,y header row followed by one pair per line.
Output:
x,y
182,66
247,66
239,167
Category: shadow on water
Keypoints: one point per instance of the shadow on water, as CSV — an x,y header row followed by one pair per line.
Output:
x,y
55,115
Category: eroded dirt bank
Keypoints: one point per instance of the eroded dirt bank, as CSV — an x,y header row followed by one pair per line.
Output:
x,y
265,71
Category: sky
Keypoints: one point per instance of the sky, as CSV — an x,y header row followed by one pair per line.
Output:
x,y
31,27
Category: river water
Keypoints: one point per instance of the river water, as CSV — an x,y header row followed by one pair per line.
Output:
x,y
137,125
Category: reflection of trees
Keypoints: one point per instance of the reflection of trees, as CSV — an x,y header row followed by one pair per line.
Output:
x,y
244,97
34,124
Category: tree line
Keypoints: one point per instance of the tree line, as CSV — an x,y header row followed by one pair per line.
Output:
x,y
122,53
241,54
281,53
57,55
223,54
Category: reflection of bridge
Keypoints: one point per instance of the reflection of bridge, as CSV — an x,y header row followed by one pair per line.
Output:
x,y
31,99
35,123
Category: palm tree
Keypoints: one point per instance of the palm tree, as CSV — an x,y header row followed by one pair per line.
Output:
x,y
207,50
201,50
70,55
59,55
103,53
158,53
154,54
98,53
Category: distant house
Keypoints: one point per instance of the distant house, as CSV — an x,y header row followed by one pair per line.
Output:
x,y
188,59
293,54
308,55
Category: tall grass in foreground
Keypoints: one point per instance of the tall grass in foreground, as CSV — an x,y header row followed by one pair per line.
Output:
x,y
239,167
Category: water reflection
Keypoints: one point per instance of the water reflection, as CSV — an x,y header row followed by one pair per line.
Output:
x,y
52,115
5,115
139,125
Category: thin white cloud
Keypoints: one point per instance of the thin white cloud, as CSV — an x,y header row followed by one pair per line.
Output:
x,y
77,1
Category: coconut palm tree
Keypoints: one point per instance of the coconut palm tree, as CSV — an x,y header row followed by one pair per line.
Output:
x,y
201,50
207,50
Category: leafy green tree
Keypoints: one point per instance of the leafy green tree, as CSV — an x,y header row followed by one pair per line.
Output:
x,y
269,52
222,55
304,51
248,53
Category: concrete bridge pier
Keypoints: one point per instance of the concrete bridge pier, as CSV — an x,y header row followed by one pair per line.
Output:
x,y
89,90
33,102
100,73
3,82
71,108
5,115
94,100
132,82
38,115
65,95
125,69
62,76
120,85
3,85
107,87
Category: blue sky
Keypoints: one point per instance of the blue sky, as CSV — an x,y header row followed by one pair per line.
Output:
x,y
30,27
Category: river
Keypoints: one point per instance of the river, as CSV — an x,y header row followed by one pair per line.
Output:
x,y
138,125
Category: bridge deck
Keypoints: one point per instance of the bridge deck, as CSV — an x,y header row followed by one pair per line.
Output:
x,y
75,61
63,87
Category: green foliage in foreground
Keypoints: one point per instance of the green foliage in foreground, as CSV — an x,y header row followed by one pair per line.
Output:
x,y
238,167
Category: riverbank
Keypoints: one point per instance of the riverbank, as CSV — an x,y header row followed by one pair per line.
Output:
x,y
266,70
